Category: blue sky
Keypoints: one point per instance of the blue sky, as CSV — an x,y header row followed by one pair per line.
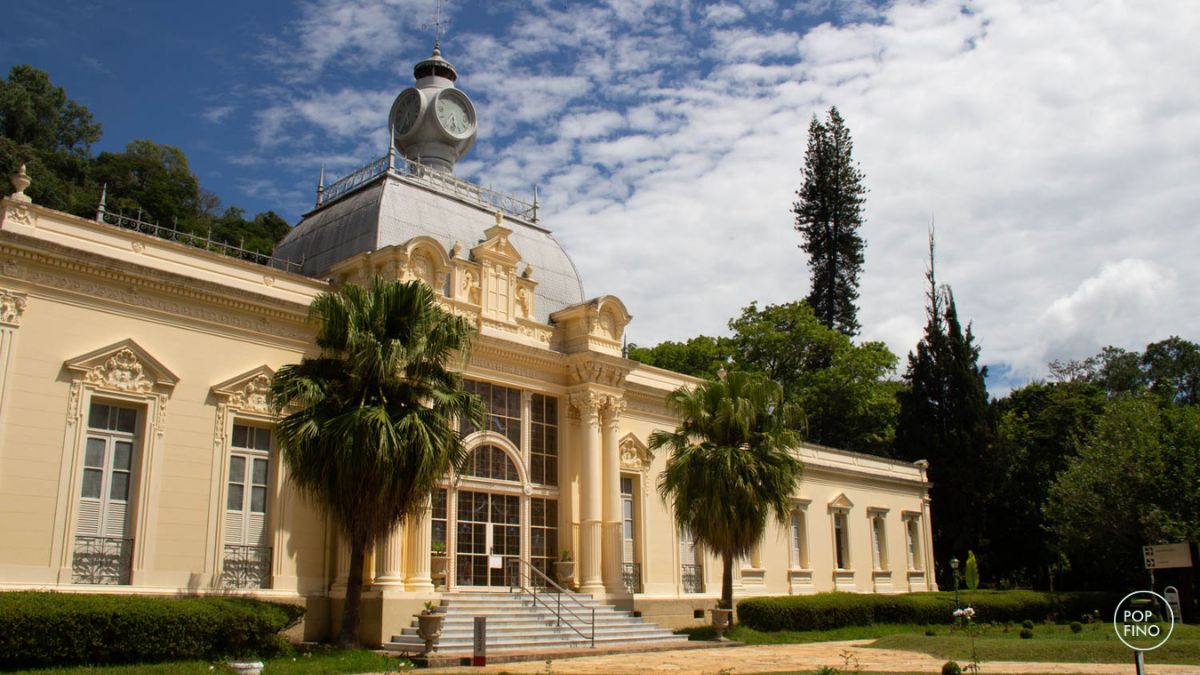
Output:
x,y
1055,145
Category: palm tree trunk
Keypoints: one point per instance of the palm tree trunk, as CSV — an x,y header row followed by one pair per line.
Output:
x,y
727,582
348,637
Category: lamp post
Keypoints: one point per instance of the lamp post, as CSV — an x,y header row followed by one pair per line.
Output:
x,y
954,567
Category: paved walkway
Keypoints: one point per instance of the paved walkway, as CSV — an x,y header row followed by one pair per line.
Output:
x,y
799,657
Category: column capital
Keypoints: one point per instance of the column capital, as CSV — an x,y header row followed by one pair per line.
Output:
x,y
589,403
613,407
12,306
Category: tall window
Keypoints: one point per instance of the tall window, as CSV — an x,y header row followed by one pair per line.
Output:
x,y
503,409
879,555
543,441
912,531
543,534
247,541
104,546
439,518
691,572
799,539
841,540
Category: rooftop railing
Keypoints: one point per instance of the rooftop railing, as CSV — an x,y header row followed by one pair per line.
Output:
x,y
439,181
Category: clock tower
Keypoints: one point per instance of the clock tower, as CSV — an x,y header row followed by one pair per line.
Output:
x,y
433,123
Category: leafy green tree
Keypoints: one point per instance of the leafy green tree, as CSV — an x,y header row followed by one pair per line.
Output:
x,y
1040,428
700,356
367,429
945,418
1172,368
828,215
259,235
154,180
844,389
1136,481
730,467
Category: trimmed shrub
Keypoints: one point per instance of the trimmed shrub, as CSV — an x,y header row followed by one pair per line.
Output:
x,y
1076,627
40,629
1026,633
825,611
951,668
1027,623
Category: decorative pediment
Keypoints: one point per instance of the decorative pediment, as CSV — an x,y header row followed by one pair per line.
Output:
x,y
247,392
123,366
841,503
595,325
496,245
634,453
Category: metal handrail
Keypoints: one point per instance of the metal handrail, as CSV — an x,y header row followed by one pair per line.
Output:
x,y
558,609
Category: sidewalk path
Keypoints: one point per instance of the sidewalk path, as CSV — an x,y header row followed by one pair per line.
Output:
x,y
798,657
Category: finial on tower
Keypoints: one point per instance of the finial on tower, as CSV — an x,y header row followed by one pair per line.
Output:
x,y
321,184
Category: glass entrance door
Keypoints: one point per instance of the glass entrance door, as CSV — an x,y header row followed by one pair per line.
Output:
x,y
488,536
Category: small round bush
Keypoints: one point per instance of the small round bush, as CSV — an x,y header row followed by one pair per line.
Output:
x,y
930,632
1076,627
1026,633
1027,624
951,668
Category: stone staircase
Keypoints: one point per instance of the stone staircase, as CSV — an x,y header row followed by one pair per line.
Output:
x,y
515,623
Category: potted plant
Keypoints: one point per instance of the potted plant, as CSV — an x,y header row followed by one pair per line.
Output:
x,y
722,620
564,569
429,626
438,561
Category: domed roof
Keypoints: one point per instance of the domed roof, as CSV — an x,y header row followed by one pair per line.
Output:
x,y
394,209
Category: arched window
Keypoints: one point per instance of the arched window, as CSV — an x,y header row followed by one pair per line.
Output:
x,y
489,461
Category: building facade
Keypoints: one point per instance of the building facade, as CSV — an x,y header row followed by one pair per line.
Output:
x,y
136,444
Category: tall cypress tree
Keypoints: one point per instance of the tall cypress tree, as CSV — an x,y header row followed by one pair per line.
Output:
x,y
945,418
828,215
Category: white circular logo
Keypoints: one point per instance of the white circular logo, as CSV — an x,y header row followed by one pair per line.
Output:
x,y
1139,618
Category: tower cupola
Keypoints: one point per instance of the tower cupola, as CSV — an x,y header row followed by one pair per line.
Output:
x,y
433,123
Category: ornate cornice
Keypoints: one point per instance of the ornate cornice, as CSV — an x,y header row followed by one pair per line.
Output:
x,y
590,368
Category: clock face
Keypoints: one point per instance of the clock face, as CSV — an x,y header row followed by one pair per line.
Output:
x,y
453,115
407,109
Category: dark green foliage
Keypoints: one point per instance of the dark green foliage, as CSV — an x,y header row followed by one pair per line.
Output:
x,y
52,135
1027,624
945,418
929,632
828,216
1076,627
59,629
700,356
825,611
951,668
843,388
1026,633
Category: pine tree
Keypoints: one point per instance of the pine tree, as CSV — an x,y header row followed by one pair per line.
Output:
x,y
945,418
828,216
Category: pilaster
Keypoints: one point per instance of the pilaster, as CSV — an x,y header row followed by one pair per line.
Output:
x,y
589,404
612,545
419,542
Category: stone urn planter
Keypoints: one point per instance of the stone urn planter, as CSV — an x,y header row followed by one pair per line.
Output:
x,y
429,627
722,620
564,573
246,667
438,564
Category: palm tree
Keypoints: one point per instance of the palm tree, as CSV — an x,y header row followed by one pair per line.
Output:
x,y
730,467
367,432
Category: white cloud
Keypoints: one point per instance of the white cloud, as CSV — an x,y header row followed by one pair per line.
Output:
x,y
217,114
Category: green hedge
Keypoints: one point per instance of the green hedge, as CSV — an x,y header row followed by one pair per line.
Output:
x,y
825,611
61,629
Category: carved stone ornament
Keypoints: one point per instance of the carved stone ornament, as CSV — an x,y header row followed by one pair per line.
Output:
x,y
19,213
523,302
12,306
588,403
635,456
123,371
247,392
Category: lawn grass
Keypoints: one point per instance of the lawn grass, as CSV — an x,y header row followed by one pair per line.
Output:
x,y
1096,643
306,662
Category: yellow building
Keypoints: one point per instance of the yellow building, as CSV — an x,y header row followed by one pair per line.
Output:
x,y
136,452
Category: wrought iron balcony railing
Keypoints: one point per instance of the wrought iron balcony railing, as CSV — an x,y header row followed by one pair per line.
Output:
x,y
631,577
693,578
246,567
102,560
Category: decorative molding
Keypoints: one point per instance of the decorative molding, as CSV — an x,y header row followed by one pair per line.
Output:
x,y
841,503
587,369
589,404
21,215
12,306
247,392
613,407
635,456
123,367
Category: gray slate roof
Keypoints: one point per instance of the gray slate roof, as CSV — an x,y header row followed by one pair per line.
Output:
x,y
391,211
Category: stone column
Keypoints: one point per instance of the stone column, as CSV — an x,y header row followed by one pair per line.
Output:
x,y
420,541
590,471
343,562
613,548
389,558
